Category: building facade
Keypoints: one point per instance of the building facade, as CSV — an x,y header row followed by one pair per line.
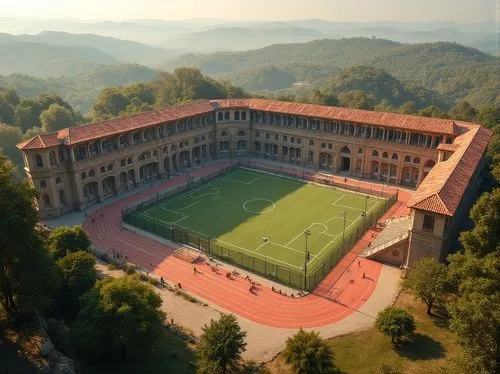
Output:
x,y
77,167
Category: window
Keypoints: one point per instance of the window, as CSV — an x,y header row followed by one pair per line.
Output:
x,y
395,156
83,176
110,167
220,117
241,133
91,173
385,155
46,201
257,134
243,116
360,151
276,137
43,184
428,223
58,180
375,153
285,138
39,161
407,159
299,141
123,162
103,169
416,160
267,135
52,157
323,145
311,142
292,139
62,197
129,160
330,146
226,116
223,134
236,116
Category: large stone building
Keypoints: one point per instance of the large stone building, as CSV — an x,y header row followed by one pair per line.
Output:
x,y
76,167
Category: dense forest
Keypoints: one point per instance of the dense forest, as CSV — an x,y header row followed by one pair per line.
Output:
x,y
453,71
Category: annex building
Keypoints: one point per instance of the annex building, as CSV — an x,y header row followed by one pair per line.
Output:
x,y
441,158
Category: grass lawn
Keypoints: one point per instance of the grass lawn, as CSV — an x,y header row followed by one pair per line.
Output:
x,y
431,350
265,216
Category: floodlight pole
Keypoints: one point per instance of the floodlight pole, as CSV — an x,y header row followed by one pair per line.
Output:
x,y
343,230
366,205
307,232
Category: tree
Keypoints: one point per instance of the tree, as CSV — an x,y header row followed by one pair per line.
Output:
x,y
408,107
27,114
118,317
7,111
78,275
463,111
110,104
485,236
56,118
307,353
356,100
395,323
28,276
67,239
475,312
432,111
428,280
489,115
221,345
9,137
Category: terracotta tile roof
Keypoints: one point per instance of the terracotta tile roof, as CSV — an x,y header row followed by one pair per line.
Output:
x,y
383,119
83,133
442,189
447,147
44,141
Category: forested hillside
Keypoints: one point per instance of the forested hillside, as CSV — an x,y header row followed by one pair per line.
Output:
x,y
454,71
45,60
82,90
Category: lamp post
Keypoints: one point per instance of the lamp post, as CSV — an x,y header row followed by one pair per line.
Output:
x,y
307,232
343,230
365,212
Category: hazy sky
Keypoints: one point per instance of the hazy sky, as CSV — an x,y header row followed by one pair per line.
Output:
x,y
336,10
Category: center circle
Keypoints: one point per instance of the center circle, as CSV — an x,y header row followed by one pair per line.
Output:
x,y
259,205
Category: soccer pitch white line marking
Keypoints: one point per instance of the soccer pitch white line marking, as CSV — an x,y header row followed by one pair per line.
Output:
x,y
338,217
340,198
307,228
247,183
349,207
189,206
270,259
214,192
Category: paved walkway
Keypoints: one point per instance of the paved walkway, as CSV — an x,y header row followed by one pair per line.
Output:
x,y
263,306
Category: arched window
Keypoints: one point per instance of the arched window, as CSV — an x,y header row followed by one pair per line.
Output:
x,y
46,201
83,176
416,160
91,173
58,180
226,116
407,159
223,134
220,117
62,197
323,145
110,167
43,184
360,151
236,116
243,116
330,146
311,142
385,155
103,169
52,157
395,156
375,153
39,161
345,149
241,133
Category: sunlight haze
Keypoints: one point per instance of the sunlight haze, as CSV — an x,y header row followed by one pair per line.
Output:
x,y
334,10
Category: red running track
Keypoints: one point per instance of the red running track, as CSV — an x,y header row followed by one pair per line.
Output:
x,y
341,293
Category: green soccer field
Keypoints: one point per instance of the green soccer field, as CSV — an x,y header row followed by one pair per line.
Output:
x,y
265,216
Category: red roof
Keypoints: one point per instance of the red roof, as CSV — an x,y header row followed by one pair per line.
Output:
x,y
80,134
383,119
442,189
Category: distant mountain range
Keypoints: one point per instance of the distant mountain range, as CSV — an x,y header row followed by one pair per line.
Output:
x,y
216,35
